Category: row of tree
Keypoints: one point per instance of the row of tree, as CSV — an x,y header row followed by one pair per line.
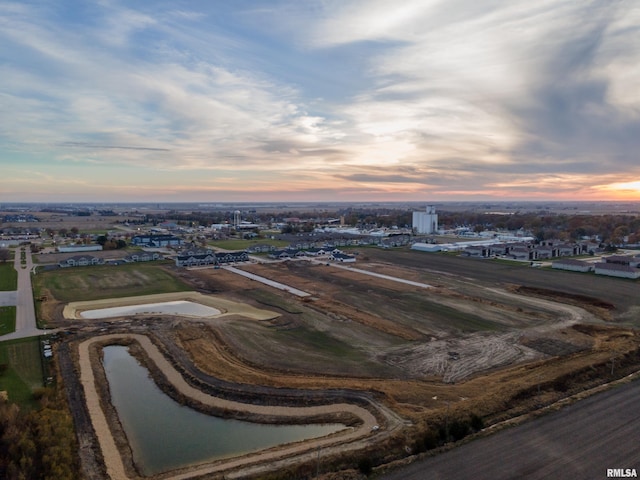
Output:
x,y
614,229
40,443
544,225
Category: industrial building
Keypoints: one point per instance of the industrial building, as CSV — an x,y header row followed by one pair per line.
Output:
x,y
425,222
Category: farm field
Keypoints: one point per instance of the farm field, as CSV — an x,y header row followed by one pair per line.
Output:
x,y
575,442
486,339
444,269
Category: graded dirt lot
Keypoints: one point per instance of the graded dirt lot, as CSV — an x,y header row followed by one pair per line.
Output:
x,y
395,330
489,339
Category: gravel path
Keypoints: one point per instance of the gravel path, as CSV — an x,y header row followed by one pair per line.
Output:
x,y
271,283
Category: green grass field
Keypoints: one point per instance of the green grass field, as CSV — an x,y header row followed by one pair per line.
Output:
x,y
244,244
21,369
8,277
107,281
7,320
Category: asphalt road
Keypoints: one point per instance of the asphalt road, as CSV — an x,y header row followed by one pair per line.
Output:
x,y
25,309
581,442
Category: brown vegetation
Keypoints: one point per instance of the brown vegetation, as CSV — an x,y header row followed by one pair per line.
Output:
x,y
39,443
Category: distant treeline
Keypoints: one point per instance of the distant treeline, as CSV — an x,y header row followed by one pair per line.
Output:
x,y
610,229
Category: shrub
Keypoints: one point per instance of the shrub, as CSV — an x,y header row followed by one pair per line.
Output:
x,y
365,465
477,423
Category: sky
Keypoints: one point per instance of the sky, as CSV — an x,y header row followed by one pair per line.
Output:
x,y
319,100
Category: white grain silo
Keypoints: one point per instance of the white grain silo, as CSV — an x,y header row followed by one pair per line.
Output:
x,y
426,222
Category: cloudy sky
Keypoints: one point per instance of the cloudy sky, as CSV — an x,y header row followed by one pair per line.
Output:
x,y
340,100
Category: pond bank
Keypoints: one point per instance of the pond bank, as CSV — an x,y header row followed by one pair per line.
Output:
x,y
114,461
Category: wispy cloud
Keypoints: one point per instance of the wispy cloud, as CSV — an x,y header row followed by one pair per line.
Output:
x,y
117,147
425,99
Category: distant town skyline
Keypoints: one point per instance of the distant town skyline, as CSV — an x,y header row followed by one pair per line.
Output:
x,y
350,100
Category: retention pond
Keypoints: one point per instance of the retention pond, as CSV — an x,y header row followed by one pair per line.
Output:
x,y
165,435
179,307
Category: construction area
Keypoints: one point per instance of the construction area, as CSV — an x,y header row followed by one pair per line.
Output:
x,y
425,339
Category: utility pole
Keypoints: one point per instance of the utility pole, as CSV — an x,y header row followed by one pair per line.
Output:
x,y
539,376
446,424
613,361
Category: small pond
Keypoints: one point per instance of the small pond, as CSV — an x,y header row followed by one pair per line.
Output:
x,y
165,435
179,307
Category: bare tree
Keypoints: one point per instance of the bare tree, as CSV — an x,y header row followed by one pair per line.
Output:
x,y
5,255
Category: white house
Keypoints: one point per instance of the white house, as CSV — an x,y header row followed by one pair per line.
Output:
x,y
617,270
572,265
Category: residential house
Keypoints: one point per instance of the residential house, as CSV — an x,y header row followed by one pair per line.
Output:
x,y
157,241
261,248
142,257
542,252
232,257
477,251
572,265
197,259
617,270
497,249
80,261
342,258
314,252
622,260
282,254
521,253
567,249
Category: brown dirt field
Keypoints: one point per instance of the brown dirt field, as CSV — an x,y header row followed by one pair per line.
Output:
x,y
468,345
413,399
448,270
553,350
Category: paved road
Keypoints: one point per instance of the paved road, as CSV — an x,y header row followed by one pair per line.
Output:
x,y
266,281
581,442
25,311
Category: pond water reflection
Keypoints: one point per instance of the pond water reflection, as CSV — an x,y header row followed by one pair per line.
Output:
x,y
165,435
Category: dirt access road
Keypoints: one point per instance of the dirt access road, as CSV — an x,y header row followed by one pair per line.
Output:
x,y
350,438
